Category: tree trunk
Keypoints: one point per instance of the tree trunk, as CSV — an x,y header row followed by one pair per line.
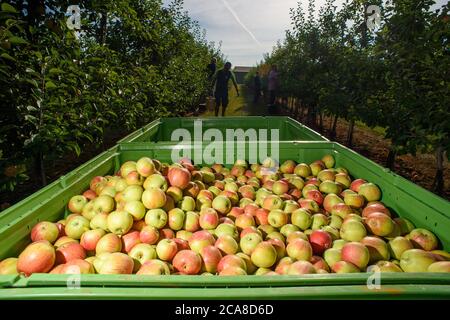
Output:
x,y
390,160
438,184
294,108
103,27
312,115
333,128
40,168
35,13
350,133
321,121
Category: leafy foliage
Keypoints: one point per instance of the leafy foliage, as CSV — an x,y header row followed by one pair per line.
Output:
x,y
131,62
396,77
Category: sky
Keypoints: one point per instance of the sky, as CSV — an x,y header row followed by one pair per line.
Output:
x,y
247,28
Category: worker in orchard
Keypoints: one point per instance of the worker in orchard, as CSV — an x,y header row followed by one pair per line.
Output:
x,y
221,80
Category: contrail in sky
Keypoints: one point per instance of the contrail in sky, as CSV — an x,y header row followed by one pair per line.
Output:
x,y
238,20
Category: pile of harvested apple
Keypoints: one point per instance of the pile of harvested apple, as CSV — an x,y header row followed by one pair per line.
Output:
x,y
152,218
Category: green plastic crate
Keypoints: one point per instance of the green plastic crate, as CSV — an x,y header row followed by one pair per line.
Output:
x,y
423,208
161,129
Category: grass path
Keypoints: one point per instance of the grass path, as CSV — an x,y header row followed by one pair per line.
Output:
x,y
242,105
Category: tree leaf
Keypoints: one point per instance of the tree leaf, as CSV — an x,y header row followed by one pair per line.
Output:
x,y
7,56
50,85
17,40
6,7
55,71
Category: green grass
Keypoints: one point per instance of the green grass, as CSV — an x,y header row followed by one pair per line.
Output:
x,y
379,130
244,106
240,106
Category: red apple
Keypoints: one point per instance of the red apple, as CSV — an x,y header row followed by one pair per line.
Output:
x,y
319,263
90,194
90,238
166,233
57,269
130,240
320,241
247,191
262,216
235,212
166,249
77,266
38,257
108,243
233,271
280,187
249,230
288,166
211,257
187,262
153,198
191,190
243,221
205,194
201,239
63,240
145,167
379,224
279,247
355,253
296,235
375,207
272,202
251,208
179,177
301,267
45,230
356,184
295,193
154,267
354,200
149,235
61,226
423,239
227,244
309,204
378,249
8,266
76,203
114,263
209,219
344,267
231,261
370,192
182,244
232,196
222,204
315,195
69,251
299,249
283,265
264,255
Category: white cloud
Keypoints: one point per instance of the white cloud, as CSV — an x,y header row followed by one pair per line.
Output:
x,y
238,20
264,22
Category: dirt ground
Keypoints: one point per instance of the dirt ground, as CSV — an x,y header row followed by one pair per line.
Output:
x,y
59,168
